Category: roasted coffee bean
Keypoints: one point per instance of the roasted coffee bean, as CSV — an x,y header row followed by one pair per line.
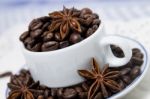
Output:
x,y
98,96
45,26
44,19
126,79
29,41
36,47
5,74
54,92
95,27
50,46
85,16
48,36
135,50
46,93
96,22
139,55
69,93
40,97
60,92
78,89
135,72
137,61
24,36
121,84
63,44
95,16
85,86
35,24
36,33
89,21
89,32
125,71
75,38
83,95
50,97
86,11
57,37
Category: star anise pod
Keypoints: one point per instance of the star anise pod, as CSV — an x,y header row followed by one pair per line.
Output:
x,y
23,88
65,20
103,80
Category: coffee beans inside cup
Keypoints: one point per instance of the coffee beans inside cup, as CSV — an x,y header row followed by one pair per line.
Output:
x,y
60,29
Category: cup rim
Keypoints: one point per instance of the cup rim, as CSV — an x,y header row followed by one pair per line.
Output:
x,y
100,28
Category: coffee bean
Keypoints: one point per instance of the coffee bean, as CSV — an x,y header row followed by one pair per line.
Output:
x,y
89,21
45,26
96,22
126,79
48,36
54,92
125,71
86,11
40,97
89,32
35,24
50,46
137,61
69,93
83,95
121,84
36,47
95,27
50,97
46,93
139,55
36,33
57,37
75,38
135,72
85,16
136,50
60,92
98,96
85,86
24,36
44,19
29,41
78,89
95,16
63,44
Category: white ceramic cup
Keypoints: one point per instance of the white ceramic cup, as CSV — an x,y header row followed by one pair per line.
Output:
x,y
59,68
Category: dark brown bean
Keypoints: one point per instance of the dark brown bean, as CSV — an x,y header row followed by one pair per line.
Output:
x,y
36,33
95,16
29,41
121,84
36,47
89,32
50,46
126,79
137,61
75,38
95,27
86,11
24,36
63,44
57,37
53,92
125,71
50,97
45,26
96,22
46,93
135,72
98,96
48,36
40,97
35,24
83,95
139,55
69,93
78,89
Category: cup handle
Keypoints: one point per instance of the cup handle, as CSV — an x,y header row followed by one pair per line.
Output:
x,y
112,60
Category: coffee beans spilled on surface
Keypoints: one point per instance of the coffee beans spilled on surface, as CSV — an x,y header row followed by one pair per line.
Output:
x,y
127,74
60,29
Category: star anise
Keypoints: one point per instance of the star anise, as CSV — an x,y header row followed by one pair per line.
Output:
x,y
103,80
65,20
23,88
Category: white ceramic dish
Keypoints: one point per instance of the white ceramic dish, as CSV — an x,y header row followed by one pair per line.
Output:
x,y
144,69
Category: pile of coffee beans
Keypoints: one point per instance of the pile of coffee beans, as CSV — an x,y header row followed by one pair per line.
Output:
x,y
128,73
39,38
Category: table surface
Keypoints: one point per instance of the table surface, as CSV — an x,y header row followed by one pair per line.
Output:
x,y
127,19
